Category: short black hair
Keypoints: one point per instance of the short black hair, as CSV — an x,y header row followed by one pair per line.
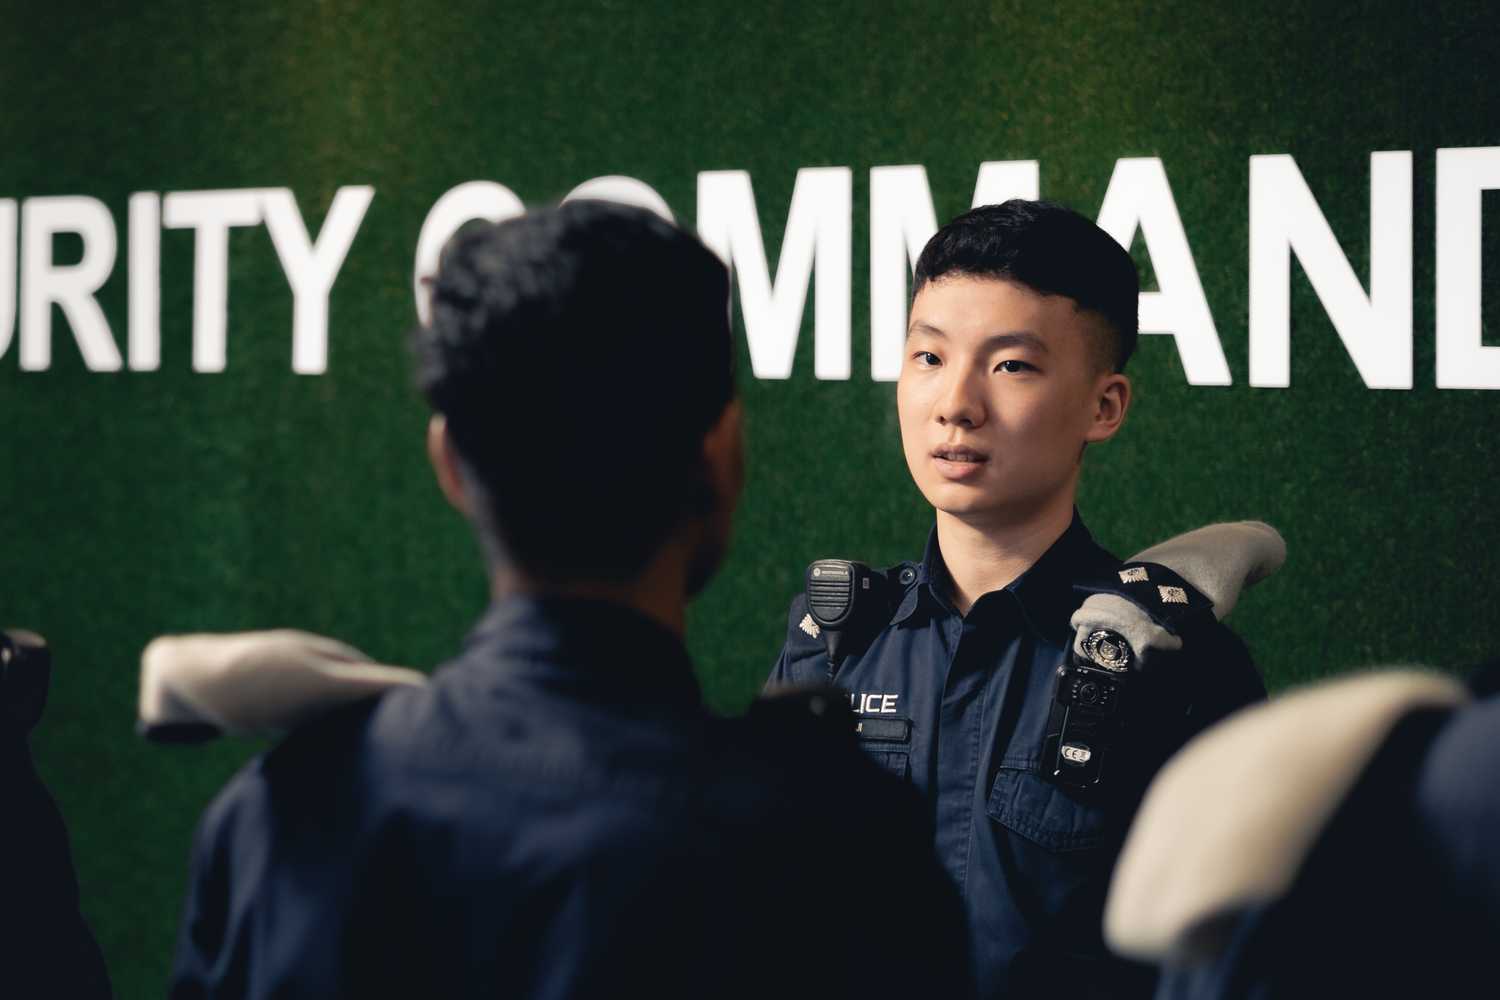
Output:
x,y
579,353
1048,248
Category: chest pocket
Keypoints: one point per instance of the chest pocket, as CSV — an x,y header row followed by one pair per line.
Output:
x,y
886,740
1043,813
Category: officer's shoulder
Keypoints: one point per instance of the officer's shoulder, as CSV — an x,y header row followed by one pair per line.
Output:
x,y
1216,664
320,769
801,630
1215,640
803,646
899,578
297,771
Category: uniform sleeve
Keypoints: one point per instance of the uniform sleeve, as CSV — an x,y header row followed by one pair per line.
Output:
x,y
46,946
1211,677
272,908
804,658
201,931
205,964
1221,677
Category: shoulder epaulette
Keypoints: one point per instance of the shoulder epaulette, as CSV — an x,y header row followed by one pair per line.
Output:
x,y
1162,594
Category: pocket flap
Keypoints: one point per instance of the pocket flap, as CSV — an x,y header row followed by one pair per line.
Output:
x,y
1043,813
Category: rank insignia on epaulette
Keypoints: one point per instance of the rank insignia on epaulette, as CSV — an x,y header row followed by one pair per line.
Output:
x,y
809,626
1172,595
1135,574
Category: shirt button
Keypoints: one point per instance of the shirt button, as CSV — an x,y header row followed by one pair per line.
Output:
x,y
908,575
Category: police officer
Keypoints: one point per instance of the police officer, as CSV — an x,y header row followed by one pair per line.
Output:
x,y
1023,319
557,813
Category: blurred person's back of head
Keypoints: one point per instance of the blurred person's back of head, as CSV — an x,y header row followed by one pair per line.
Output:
x,y
557,813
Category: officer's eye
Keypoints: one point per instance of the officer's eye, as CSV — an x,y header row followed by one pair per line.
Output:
x,y
1013,367
927,359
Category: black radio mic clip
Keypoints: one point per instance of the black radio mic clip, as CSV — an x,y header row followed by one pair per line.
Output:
x,y
847,601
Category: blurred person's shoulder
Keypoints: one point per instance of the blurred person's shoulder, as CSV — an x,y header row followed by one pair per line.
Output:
x,y
311,771
799,742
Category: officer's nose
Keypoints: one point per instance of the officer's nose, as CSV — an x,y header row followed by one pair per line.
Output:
x,y
961,402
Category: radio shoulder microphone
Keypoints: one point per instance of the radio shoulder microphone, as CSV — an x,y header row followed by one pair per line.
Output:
x,y
848,601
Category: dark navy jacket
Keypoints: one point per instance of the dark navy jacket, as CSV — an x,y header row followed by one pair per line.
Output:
x,y
46,946
972,693
558,815
1400,894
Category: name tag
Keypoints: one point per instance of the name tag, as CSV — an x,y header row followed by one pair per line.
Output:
x,y
883,730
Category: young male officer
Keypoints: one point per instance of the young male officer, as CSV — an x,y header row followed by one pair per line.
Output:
x,y
1023,318
557,814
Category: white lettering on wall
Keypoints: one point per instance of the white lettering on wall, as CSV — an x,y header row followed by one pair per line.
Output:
x,y
311,267
211,214
1139,196
72,287
8,256
1002,180
144,340
464,203
1463,175
626,191
902,220
1286,220
818,238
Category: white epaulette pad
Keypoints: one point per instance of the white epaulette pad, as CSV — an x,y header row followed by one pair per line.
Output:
x,y
1227,822
256,683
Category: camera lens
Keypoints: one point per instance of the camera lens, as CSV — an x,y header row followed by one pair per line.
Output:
x,y
1088,693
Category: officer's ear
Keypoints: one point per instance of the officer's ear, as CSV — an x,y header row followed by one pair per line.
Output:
x,y
724,456
1109,402
444,461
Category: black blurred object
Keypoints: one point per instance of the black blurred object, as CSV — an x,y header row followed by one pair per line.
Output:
x,y
849,602
1484,680
25,675
1088,711
46,948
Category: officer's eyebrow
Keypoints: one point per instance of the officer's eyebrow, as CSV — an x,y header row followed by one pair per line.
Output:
x,y
995,341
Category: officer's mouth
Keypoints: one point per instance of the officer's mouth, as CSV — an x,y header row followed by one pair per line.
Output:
x,y
958,462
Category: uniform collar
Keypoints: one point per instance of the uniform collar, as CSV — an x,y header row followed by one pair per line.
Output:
x,y
1044,593
601,643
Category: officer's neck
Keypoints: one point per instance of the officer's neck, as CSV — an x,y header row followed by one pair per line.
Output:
x,y
659,592
986,552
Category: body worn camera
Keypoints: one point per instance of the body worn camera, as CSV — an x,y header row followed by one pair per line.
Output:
x,y
1087,727
25,674
1087,717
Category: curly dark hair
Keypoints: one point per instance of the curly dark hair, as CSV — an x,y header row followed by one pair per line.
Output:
x,y
579,353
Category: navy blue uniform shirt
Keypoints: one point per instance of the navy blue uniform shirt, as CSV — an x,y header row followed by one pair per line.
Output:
x,y
971,694
558,815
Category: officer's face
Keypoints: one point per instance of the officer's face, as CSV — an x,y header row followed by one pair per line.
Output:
x,y
999,392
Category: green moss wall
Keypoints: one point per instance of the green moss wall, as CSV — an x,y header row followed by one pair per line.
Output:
x,y
139,502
